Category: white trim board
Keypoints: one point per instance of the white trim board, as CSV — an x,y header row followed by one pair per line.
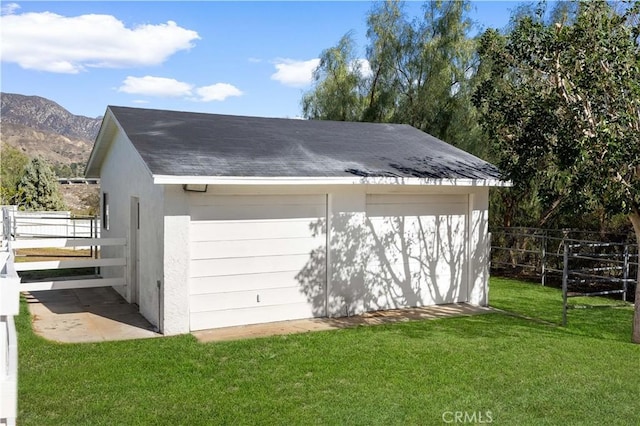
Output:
x,y
287,180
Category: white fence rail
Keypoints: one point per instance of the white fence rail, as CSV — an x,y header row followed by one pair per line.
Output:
x,y
66,242
71,264
9,307
13,224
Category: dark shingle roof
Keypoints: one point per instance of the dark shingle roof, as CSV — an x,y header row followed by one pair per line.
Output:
x,y
195,144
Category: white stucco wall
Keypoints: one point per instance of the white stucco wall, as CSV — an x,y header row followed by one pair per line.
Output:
x,y
175,288
124,175
349,278
479,247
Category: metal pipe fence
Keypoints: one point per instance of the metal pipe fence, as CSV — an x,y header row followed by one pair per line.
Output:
x,y
583,263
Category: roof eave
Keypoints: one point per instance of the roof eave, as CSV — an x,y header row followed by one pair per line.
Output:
x,y
100,146
285,180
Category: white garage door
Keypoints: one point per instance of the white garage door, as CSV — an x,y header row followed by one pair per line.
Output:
x,y
256,259
418,254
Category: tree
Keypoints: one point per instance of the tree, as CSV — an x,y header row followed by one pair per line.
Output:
x,y
387,34
38,188
12,163
91,201
562,107
422,73
435,75
338,79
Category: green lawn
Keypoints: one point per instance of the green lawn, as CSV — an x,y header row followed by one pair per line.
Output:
x,y
512,370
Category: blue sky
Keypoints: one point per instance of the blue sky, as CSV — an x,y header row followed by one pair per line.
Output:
x,y
244,58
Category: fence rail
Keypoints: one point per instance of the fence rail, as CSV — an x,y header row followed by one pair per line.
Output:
x,y
27,224
11,285
8,370
71,284
70,264
66,242
9,307
583,265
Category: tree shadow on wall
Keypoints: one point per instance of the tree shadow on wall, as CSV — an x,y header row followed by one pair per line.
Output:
x,y
380,263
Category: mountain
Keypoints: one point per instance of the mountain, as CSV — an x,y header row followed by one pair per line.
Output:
x,y
40,127
55,148
47,116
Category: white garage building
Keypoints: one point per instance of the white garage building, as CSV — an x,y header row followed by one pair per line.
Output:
x,y
239,220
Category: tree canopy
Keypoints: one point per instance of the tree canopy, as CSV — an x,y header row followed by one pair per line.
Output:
x,y
561,106
12,163
38,188
419,72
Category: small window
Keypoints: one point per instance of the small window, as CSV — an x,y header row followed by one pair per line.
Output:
x,y
105,211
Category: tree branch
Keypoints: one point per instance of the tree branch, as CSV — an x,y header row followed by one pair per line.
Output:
x,y
551,210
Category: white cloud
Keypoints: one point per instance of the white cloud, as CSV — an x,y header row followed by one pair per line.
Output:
x,y
9,9
172,88
295,73
50,42
155,86
140,101
217,92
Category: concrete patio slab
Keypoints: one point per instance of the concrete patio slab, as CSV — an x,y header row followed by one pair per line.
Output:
x,y
86,315
320,324
101,314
